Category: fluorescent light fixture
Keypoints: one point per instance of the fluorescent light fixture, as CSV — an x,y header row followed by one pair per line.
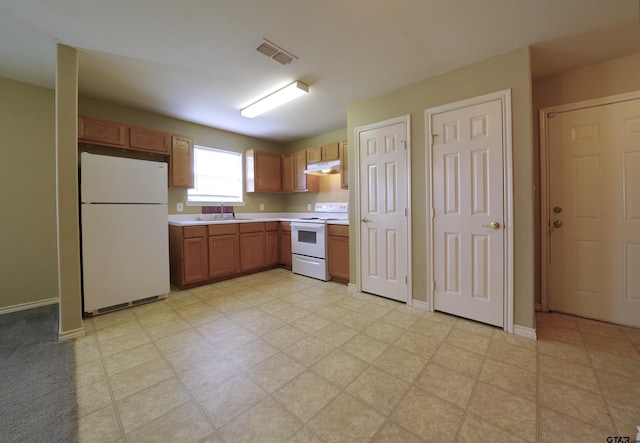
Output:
x,y
278,98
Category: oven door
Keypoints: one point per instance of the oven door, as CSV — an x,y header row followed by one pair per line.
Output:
x,y
308,239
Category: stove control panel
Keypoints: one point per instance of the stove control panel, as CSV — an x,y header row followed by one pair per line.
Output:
x,y
332,207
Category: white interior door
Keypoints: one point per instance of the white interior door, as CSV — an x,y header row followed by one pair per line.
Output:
x,y
468,203
383,211
594,199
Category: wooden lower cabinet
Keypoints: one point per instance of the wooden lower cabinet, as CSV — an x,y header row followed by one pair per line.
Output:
x,y
204,254
271,243
338,253
188,253
252,246
284,252
224,253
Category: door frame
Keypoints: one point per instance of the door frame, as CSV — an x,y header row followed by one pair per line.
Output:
x,y
406,119
545,189
507,166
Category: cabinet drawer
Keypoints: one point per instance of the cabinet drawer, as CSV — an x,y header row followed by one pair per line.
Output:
x,y
230,228
271,226
251,227
339,230
194,231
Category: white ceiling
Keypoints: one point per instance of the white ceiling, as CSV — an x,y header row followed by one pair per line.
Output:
x,y
196,60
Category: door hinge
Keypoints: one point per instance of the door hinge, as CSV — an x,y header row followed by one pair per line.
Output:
x,y
433,285
406,280
404,144
406,212
433,138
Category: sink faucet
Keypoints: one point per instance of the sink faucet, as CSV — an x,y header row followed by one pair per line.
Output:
x,y
222,211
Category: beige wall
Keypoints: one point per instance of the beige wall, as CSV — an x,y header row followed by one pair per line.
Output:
x,y
28,257
507,71
330,190
202,135
601,80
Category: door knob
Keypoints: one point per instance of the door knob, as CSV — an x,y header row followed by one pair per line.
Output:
x,y
557,224
364,219
492,225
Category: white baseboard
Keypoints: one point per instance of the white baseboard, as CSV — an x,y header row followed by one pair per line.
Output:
x,y
352,286
71,335
418,304
30,305
525,332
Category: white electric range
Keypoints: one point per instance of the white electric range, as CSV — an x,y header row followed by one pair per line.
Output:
x,y
309,239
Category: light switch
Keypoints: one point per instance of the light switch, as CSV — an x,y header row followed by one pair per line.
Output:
x,y
179,207
262,206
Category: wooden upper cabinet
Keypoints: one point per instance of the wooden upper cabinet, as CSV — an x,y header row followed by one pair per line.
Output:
x,y
293,177
344,165
330,152
303,182
102,132
149,140
181,162
287,172
324,153
263,171
314,155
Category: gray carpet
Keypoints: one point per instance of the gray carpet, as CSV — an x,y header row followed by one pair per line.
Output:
x,y
37,379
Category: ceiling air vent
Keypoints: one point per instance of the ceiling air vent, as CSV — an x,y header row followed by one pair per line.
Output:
x,y
275,52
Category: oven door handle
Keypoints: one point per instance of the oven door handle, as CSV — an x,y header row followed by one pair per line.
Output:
x,y
307,227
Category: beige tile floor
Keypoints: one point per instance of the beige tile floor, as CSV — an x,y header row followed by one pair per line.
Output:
x,y
276,357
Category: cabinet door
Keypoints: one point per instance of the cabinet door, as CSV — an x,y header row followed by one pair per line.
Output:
x,y
181,162
288,174
195,260
223,255
268,172
338,258
102,132
344,165
314,155
285,249
263,171
330,152
252,250
271,248
149,140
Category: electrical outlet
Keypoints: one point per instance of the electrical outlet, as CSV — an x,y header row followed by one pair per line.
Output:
x,y
262,206
179,207
308,206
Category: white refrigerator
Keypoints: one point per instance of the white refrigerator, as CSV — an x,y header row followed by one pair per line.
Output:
x,y
124,225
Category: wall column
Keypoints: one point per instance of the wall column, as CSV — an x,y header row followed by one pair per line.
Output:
x,y
70,324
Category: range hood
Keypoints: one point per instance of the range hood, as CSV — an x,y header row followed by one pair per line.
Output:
x,y
324,168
